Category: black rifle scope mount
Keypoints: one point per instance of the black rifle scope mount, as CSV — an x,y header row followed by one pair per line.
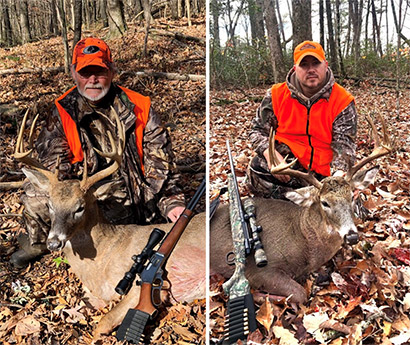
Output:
x,y
137,267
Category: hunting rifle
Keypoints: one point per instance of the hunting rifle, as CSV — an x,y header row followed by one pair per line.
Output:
x,y
247,219
133,325
240,317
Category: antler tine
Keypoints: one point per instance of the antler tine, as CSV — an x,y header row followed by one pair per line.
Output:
x,y
380,149
283,168
19,153
115,155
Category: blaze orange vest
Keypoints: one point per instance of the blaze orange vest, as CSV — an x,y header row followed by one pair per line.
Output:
x,y
142,105
308,132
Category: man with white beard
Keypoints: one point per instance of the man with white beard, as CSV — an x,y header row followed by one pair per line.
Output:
x,y
144,190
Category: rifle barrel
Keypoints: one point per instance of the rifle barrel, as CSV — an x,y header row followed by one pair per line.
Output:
x,y
238,196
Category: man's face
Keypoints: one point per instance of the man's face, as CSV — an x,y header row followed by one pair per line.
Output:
x,y
311,74
93,82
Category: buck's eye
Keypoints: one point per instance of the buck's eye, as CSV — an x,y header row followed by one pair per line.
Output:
x,y
80,209
325,204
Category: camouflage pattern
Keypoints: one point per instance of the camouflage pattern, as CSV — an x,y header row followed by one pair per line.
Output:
x,y
344,125
259,254
237,285
132,196
261,182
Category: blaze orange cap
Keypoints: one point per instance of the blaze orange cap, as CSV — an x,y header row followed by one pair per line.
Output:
x,y
91,52
308,48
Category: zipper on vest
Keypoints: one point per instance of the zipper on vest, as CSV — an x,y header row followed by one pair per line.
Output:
x,y
309,136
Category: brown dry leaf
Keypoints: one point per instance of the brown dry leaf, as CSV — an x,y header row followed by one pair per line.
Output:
x,y
28,325
265,314
285,336
183,332
335,325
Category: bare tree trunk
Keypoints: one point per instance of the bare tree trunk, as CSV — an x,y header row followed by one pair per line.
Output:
x,y
332,46
8,37
214,28
281,29
338,34
355,12
103,12
302,21
24,21
54,28
63,24
277,60
174,9
322,23
78,21
255,8
233,19
146,4
366,29
116,20
378,45
188,10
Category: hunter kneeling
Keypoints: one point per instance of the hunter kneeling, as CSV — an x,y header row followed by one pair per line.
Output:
x,y
144,190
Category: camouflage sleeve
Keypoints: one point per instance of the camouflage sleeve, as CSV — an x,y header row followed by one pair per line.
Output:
x,y
344,138
52,143
261,124
160,169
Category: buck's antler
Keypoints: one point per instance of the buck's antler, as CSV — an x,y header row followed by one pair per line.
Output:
x,y
115,155
380,150
25,156
283,168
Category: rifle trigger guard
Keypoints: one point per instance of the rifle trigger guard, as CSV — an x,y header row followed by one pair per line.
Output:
x,y
230,258
156,289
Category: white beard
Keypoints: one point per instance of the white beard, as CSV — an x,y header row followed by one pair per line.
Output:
x,y
103,93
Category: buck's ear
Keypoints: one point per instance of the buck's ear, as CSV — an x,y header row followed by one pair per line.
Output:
x,y
363,179
109,190
37,179
302,196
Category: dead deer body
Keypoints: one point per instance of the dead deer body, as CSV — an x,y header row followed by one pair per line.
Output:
x,y
298,236
98,252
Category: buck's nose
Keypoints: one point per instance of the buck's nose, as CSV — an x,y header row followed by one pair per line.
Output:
x,y
54,245
352,237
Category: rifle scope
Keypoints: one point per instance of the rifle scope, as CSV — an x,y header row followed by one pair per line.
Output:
x,y
137,267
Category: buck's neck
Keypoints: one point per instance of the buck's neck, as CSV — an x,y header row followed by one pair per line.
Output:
x,y
323,240
92,235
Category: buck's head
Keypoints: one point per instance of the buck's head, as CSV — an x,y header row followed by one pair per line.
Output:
x,y
69,206
71,203
334,196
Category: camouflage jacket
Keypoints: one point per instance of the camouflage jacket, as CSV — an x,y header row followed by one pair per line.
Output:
x,y
344,126
148,195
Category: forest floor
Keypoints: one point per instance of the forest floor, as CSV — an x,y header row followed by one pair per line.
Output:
x,y
366,297
46,303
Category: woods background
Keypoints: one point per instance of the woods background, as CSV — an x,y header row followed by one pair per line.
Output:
x,y
252,41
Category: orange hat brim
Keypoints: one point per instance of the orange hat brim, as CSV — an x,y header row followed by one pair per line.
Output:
x,y
93,62
317,56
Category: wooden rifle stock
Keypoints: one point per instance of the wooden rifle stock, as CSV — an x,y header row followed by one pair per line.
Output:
x,y
133,325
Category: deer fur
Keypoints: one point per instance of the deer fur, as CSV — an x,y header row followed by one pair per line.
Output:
x,y
298,237
100,253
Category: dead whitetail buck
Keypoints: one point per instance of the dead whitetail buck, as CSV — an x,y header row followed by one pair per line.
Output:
x,y
299,236
100,253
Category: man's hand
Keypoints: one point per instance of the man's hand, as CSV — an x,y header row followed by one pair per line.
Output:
x,y
281,178
174,214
